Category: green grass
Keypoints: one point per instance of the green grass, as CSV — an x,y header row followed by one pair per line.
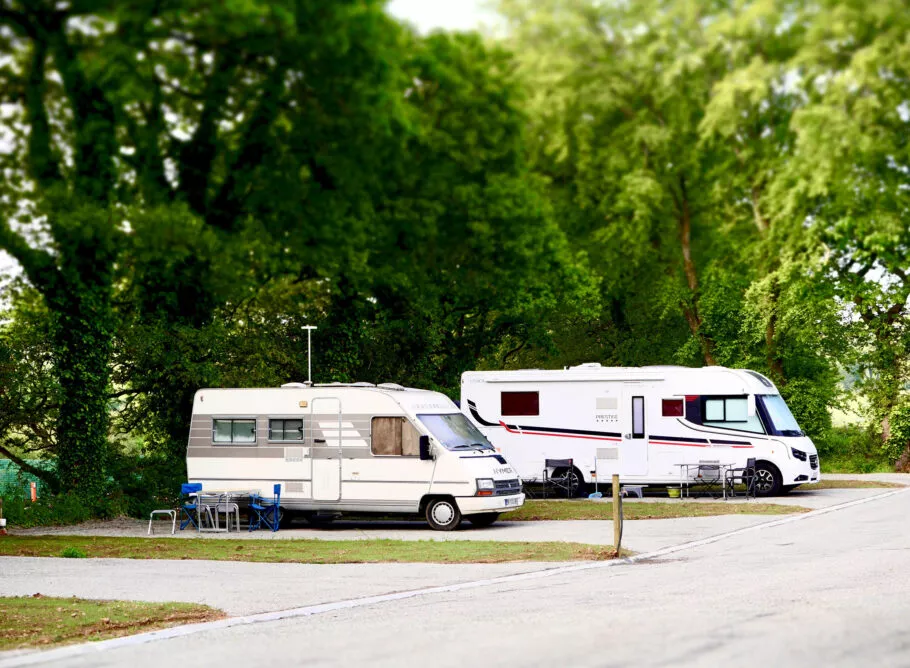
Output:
x,y
309,551
536,510
847,484
40,621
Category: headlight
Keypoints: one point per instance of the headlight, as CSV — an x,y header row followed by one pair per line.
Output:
x,y
799,454
485,486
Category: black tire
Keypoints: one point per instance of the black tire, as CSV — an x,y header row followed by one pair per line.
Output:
x,y
285,518
318,520
768,480
483,519
443,514
577,486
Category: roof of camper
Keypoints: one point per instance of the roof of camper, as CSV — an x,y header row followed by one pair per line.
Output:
x,y
594,372
287,398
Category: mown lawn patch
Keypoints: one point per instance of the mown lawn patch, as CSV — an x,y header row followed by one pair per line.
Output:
x,y
847,484
581,509
41,621
309,551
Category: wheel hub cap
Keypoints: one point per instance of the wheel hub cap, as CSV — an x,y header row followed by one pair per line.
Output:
x,y
443,513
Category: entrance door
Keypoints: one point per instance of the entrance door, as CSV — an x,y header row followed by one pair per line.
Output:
x,y
326,456
634,450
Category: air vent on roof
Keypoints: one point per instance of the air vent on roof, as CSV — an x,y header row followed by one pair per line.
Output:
x,y
391,386
587,365
363,384
295,385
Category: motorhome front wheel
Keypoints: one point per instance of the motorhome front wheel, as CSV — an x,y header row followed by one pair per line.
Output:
x,y
767,479
443,515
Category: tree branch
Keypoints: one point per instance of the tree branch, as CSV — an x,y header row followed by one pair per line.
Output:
x,y
39,266
47,476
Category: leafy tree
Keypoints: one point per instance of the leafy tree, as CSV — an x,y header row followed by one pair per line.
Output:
x,y
230,112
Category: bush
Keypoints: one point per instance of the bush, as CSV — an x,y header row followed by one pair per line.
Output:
x,y
73,553
50,510
899,439
141,484
851,449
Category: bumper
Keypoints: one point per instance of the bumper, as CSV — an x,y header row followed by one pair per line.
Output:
x,y
799,473
468,505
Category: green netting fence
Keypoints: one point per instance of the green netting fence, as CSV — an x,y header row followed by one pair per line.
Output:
x,y
14,480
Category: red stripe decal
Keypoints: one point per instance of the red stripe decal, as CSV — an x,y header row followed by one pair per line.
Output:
x,y
687,445
742,446
539,433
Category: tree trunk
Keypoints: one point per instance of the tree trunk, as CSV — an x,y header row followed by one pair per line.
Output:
x,y
690,307
774,362
83,325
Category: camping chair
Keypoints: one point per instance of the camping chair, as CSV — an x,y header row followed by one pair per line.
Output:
x,y
708,476
565,480
744,476
187,510
266,513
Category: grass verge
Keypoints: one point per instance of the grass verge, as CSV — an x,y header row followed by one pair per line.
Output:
x,y
41,621
309,551
536,510
847,484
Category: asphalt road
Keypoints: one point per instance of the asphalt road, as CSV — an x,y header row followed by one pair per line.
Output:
x,y
830,589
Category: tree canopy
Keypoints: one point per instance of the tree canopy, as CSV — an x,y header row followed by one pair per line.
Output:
x,y
186,184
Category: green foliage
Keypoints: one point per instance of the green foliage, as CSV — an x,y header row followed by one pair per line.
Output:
x,y
53,510
665,181
70,552
898,444
851,449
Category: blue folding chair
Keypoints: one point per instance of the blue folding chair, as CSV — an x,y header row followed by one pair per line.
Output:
x,y
190,490
266,513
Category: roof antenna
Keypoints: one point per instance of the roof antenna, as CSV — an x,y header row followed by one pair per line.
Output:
x,y
309,353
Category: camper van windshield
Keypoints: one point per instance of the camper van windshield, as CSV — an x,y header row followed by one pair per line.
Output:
x,y
455,432
782,419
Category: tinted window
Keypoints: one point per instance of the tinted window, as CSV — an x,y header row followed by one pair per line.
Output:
x,y
672,407
519,403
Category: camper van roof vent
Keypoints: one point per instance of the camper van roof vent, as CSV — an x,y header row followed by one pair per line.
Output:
x,y
392,386
587,365
363,384
295,385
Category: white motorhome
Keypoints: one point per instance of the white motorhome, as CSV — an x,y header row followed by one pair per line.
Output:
x,y
351,448
649,422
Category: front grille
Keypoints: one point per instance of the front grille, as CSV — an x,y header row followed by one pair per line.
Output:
x,y
813,461
507,487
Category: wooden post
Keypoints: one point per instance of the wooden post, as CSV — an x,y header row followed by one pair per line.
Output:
x,y
617,517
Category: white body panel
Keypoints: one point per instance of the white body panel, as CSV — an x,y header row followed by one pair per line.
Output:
x,y
331,465
586,414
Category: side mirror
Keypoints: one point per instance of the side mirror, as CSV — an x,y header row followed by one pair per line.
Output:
x,y
425,447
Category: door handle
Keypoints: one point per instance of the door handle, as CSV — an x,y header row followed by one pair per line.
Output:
x,y
627,436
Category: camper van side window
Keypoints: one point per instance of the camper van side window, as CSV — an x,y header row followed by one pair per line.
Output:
x,y
730,413
671,408
519,403
391,436
286,430
227,431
